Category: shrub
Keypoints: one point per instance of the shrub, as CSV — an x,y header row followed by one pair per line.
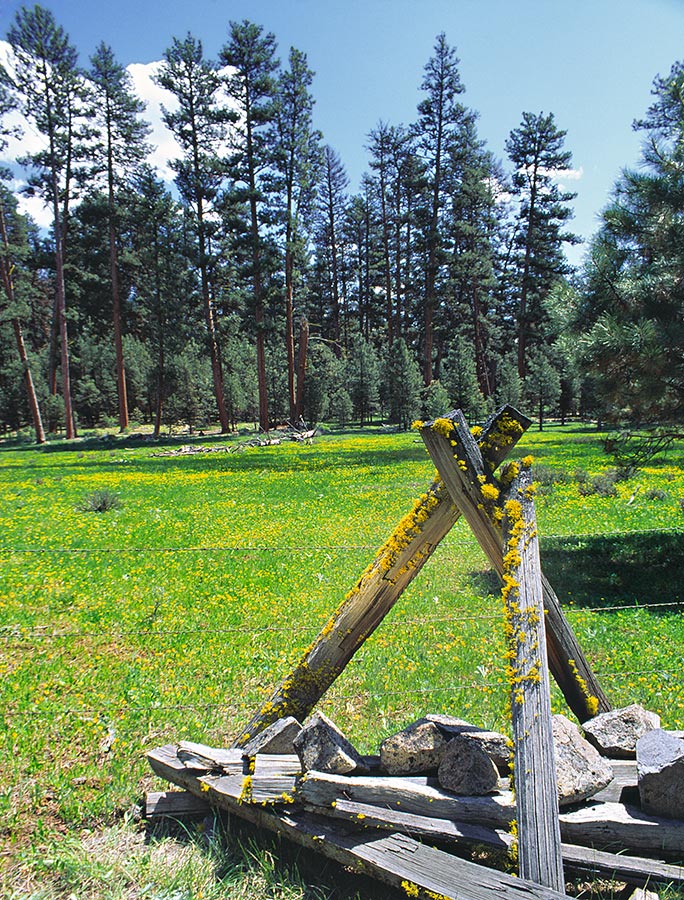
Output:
x,y
99,501
656,494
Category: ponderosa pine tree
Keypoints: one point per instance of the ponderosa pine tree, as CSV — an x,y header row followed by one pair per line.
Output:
x,y
473,216
51,94
119,148
536,150
381,146
632,319
13,246
199,125
158,243
252,87
441,118
402,385
331,208
298,158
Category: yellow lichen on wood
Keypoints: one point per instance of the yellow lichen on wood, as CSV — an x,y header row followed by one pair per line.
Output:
x,y
592,702
246,792
444,427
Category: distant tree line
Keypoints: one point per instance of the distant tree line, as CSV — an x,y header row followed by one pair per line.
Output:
x,y
262,290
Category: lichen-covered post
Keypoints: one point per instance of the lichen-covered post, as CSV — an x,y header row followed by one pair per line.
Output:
x,y
394,567
539,842
475,491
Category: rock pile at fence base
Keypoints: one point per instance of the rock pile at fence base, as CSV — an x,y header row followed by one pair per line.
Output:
x,y
581,771
660,770
615,734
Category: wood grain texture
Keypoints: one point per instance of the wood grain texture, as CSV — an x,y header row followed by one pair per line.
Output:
x,y
462,468
536,791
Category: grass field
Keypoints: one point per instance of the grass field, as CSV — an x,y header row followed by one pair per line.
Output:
x,y
171,615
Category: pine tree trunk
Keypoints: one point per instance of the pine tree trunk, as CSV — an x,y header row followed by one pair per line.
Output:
x,y
118,338
8,285
301,367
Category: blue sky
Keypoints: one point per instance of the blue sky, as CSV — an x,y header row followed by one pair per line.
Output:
x,y
590,62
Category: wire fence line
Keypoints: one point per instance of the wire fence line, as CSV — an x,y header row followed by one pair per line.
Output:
x,y
21,633
332,548
121,708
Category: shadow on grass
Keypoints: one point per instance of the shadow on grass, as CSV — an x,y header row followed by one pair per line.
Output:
x,y
237,846
598,571
617,570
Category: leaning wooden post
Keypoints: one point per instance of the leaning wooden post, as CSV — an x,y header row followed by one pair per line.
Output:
x,y
473,489
536,792
395,565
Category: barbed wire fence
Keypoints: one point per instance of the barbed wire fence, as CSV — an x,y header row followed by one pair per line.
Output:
x,y
26,639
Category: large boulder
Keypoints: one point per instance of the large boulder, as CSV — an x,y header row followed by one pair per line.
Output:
x,y
466,768
496,745
615,734
660,772
581,771
320,745
416,749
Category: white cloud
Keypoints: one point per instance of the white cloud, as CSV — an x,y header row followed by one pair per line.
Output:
x,y
565,174
165,146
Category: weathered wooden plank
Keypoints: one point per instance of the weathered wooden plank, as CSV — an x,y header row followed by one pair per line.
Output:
x,y
576,859
605,825
174,804
618,826
321,789
200,756
394,567
277,764
536,791
636,870
363,815
624,776
466,475
395,859
316,834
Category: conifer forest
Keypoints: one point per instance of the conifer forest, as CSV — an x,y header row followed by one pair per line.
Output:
x,y
257,288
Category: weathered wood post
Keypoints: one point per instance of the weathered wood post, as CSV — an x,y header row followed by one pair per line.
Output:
x,y
536,792
394,567
473,489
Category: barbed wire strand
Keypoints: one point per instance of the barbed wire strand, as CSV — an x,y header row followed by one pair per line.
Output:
x,y
22,633
333,548
121,708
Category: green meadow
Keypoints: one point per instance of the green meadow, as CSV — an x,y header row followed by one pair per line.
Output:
x,y
173,613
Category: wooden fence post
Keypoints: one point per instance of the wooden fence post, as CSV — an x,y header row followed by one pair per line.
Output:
x,y
536,792
473,489
394,567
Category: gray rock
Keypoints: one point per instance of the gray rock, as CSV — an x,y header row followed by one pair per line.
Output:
x,y
496,745
581,771
616,733
660,772
278,738
466,768
417,748
320,745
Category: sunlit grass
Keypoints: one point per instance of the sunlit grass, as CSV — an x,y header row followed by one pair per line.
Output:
x,y
172,614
